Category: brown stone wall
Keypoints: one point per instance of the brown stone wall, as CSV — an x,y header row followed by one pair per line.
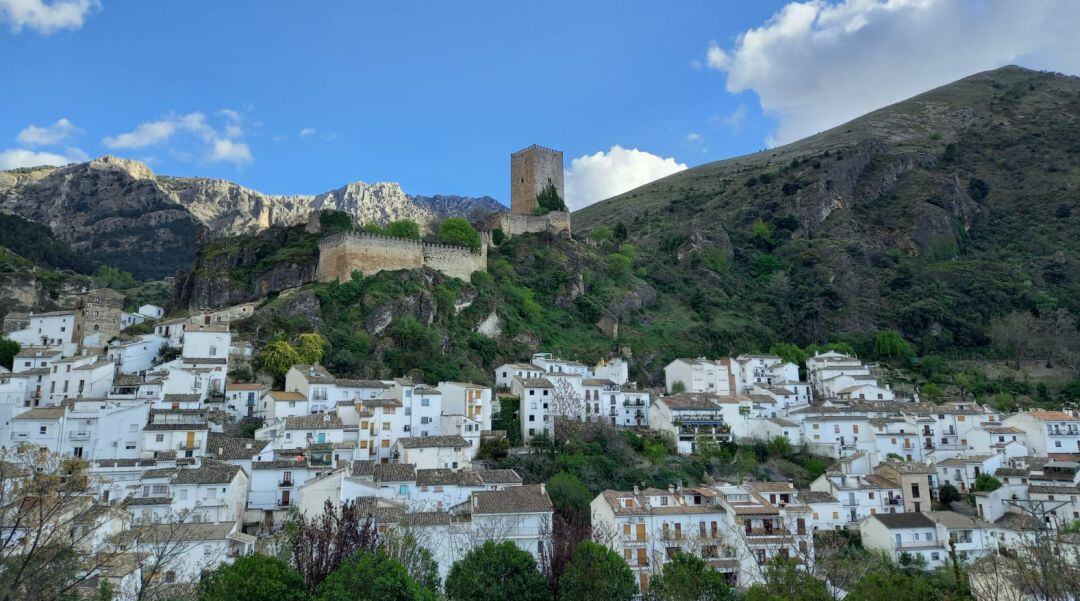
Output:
x,y
341,254
515,224
531,170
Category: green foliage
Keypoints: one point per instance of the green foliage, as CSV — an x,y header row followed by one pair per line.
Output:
x,y
687,578
371,577
891,345
568,494
498,236
602,234
113,277
621,233
888,582
785,580
986,483
277,357
789,352
402,228
596,572
310,347
494,572
253,578
8,350
780,447
457,231
332,222
549,200
36,243
618,266
947,494
678,387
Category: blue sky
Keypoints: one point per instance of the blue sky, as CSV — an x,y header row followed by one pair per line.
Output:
x,y
304,97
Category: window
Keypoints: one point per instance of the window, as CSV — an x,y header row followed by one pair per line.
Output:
x,y
384,443
213,351
159,438
43,429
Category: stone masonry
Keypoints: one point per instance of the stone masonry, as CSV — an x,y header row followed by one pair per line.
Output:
x,y
341,254
531,170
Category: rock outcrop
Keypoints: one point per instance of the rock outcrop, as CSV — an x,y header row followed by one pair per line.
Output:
x,y
118,211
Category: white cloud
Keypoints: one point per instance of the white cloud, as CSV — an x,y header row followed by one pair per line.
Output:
x,y
45,17
818,63
693,136
595,177
13,158
194,134
307,132
48,135
733,120
237,153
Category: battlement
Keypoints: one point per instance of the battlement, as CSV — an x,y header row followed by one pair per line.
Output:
x,y
532,169
536,147
346,252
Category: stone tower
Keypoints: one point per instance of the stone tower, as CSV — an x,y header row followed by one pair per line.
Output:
x,y
97,319
531,170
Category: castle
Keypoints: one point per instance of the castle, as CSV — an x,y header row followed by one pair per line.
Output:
x,y
341,254
532,169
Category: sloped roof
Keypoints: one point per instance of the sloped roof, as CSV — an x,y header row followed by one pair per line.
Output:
x,y
417,442
516,499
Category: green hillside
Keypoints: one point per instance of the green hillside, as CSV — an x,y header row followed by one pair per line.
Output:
x,y
948,217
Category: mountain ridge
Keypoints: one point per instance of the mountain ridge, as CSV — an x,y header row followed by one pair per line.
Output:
x,y
120,212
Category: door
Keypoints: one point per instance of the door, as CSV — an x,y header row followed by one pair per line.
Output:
x,y
322,436
640,531
285,498
190,442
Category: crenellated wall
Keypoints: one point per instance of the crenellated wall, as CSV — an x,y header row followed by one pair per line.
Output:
x,y
341,254
515,224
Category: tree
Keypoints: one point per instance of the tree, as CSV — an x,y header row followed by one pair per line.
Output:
x,y
621,234
333,222
401,545
596,572
892,345
687,578
403,228
897,585
8,350
113,277
277,357
310,347
780,447
788,352
549,200
42,495
498,236
368,576
986,483
947,494
494,572
457,231
253,578
321,544
785,580
567,493
601,235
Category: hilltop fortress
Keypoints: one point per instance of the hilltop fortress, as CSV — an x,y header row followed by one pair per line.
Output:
x,y
341,254
532,169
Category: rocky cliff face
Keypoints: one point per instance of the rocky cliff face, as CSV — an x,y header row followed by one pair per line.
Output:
x,y
118,211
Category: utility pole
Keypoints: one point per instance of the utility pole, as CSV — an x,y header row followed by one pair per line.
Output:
x,y
1040,510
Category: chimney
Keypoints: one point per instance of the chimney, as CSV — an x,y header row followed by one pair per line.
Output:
x,y
671,489
637,491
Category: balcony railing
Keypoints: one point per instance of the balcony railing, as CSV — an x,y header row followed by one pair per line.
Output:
x,y
285,483
190,446
79,435
285,503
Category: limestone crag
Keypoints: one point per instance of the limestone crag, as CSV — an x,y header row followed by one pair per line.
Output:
x,y
118,211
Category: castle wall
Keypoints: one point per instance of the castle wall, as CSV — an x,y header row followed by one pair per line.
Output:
x,y
531,170
341,254
515,224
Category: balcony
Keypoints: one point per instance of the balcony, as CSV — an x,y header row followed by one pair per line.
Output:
x,y
79,435
920,544
285,503
285,483
894,501
190,446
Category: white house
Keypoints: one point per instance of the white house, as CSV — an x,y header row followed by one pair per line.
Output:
x,y
911,534
507,372
136,355
427,452
1048,432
